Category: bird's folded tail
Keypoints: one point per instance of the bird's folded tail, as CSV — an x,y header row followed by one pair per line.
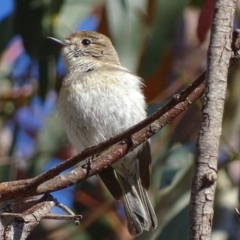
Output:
x,y
139,211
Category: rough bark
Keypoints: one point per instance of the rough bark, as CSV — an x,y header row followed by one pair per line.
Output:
x,y
205,171
18,226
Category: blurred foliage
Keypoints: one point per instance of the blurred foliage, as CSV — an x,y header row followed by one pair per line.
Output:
x,y
163,41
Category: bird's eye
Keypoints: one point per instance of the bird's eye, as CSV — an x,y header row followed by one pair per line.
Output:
x,y
86,42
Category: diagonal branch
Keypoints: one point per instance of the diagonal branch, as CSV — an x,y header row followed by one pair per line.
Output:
x,y
50,181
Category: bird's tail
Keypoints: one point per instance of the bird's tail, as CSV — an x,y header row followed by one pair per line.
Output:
x,y
139,211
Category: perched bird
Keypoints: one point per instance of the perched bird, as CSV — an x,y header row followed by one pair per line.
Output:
x,y
99,99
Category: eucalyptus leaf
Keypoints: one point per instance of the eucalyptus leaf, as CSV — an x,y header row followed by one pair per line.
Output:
x,y
162,34
7,31
171,200
72,12
127,29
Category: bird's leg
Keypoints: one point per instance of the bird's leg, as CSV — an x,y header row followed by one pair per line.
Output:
x,y
88,162
130,141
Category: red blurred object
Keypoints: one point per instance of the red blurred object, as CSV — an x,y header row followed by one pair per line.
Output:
x,y
205,19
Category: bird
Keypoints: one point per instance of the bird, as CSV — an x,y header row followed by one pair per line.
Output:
x,y
98,99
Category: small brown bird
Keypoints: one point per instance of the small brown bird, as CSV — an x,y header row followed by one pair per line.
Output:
x,y
99,99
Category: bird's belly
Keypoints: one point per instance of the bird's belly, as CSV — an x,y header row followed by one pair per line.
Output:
x,y
94,116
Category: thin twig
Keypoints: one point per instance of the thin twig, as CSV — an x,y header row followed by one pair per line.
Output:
x,y
7,211
67,210
75,218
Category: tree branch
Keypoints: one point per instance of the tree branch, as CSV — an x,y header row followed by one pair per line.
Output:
x,y
206,158
8,210
50,181
21,226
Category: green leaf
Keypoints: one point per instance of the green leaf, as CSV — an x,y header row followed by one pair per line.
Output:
x,y
127,29
162,34
171,200
72,12
180,224
7,30
50,139
28,23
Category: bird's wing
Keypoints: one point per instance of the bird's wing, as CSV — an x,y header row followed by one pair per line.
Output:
x,y
108,177
145,161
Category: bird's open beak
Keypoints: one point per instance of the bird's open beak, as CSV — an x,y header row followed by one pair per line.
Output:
x,y
57,41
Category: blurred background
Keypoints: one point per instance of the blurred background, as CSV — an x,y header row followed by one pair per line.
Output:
x,y
165,42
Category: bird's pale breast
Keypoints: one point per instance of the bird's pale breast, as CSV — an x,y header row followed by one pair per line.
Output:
x,y
100,104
